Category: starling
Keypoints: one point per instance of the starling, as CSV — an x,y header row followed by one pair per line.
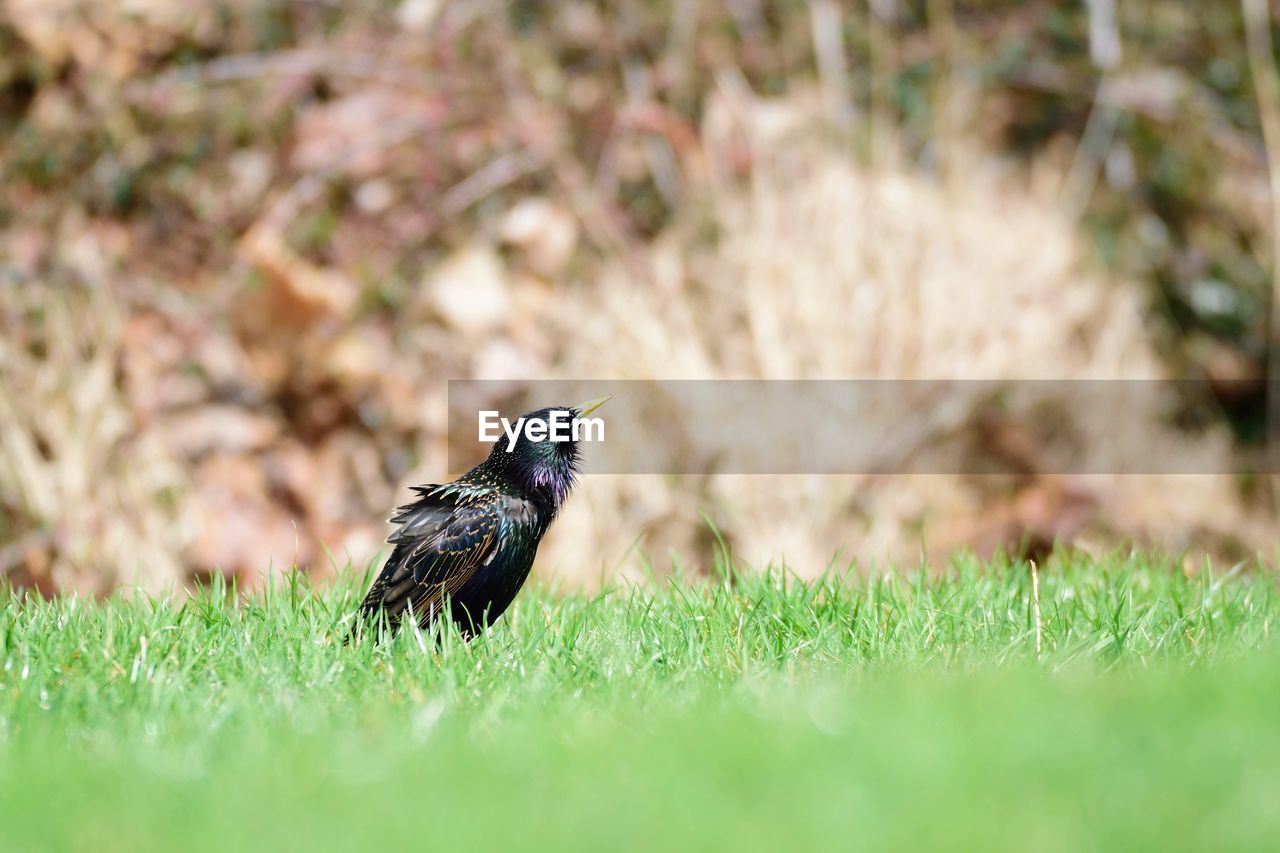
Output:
x,y
467,546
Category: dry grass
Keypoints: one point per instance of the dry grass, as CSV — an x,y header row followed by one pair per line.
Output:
x,y
88,500
822,269
268,296
827,270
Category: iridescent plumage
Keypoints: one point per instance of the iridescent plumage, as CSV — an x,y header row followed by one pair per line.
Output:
x,y
467,546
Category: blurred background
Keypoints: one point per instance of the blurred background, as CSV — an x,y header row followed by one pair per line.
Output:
x,y
243,244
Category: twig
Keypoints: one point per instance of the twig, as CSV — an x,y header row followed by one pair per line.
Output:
x,y
682,40
287,63
1100,128
309,187
942,36
883,59
657,149
826,30
1104,33
493,176
1095,142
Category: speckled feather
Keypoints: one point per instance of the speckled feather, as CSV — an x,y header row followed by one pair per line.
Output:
x,y
469,545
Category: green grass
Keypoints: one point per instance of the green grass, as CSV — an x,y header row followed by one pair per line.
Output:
x,y
762,714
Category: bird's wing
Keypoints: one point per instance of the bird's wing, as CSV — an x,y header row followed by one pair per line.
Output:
x,y
442,539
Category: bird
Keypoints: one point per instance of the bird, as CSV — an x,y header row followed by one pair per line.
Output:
x,y
464,549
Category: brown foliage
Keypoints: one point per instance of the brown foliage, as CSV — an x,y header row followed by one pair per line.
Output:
x,y
243,244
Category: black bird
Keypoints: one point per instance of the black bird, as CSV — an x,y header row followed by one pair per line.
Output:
x,y
467,546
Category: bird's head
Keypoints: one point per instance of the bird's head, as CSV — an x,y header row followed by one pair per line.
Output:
x,y
541,459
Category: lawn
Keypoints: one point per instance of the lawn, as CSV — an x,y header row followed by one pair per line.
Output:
x,y
757,713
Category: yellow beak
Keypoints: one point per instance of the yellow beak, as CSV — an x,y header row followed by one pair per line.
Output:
x,y
590,406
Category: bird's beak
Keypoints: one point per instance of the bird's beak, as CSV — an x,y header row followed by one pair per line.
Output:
x,y
590,406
